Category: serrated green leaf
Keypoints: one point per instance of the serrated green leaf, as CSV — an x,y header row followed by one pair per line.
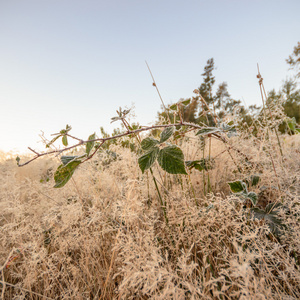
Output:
x,y
149,143
64,173
237,186
171,159
186,102
65,140
166,134
273,207
274,222
200,165
89,145
173,107
258,213
252,180
253,197
147,159
207,130
67,158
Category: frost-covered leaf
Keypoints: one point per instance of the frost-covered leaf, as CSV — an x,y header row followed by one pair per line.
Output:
x,y
64,173
254,179
171,159
147,159
253,197
238,186
200,165
149,143
67,158
90,145
166,134
208,130
273,220
274,207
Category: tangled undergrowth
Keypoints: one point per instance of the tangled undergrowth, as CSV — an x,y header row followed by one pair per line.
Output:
x,y
104,234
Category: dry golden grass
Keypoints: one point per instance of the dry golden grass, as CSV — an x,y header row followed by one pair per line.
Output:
x,y
103,235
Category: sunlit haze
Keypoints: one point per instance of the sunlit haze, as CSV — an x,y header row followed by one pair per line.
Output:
x,y
75,62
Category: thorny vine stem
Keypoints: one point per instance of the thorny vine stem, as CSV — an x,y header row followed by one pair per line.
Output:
x,y
103,140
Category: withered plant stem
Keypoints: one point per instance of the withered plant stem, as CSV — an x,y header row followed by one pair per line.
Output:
x,y
263,93
155,85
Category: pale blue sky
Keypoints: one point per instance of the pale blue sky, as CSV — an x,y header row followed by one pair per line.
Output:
x,y
75,62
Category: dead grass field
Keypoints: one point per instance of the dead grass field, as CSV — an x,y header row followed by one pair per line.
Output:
x,y
103,235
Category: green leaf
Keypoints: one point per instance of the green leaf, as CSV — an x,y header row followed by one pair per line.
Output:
x,y
64,131
18,159
186,102
171,160
67,158
147,159
166,134
65,140
90,145
271,217
253,197
149,143
229,129
200,165
272,207
254,179
208,130
173,107
292,124
64,173
274,222
237,186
